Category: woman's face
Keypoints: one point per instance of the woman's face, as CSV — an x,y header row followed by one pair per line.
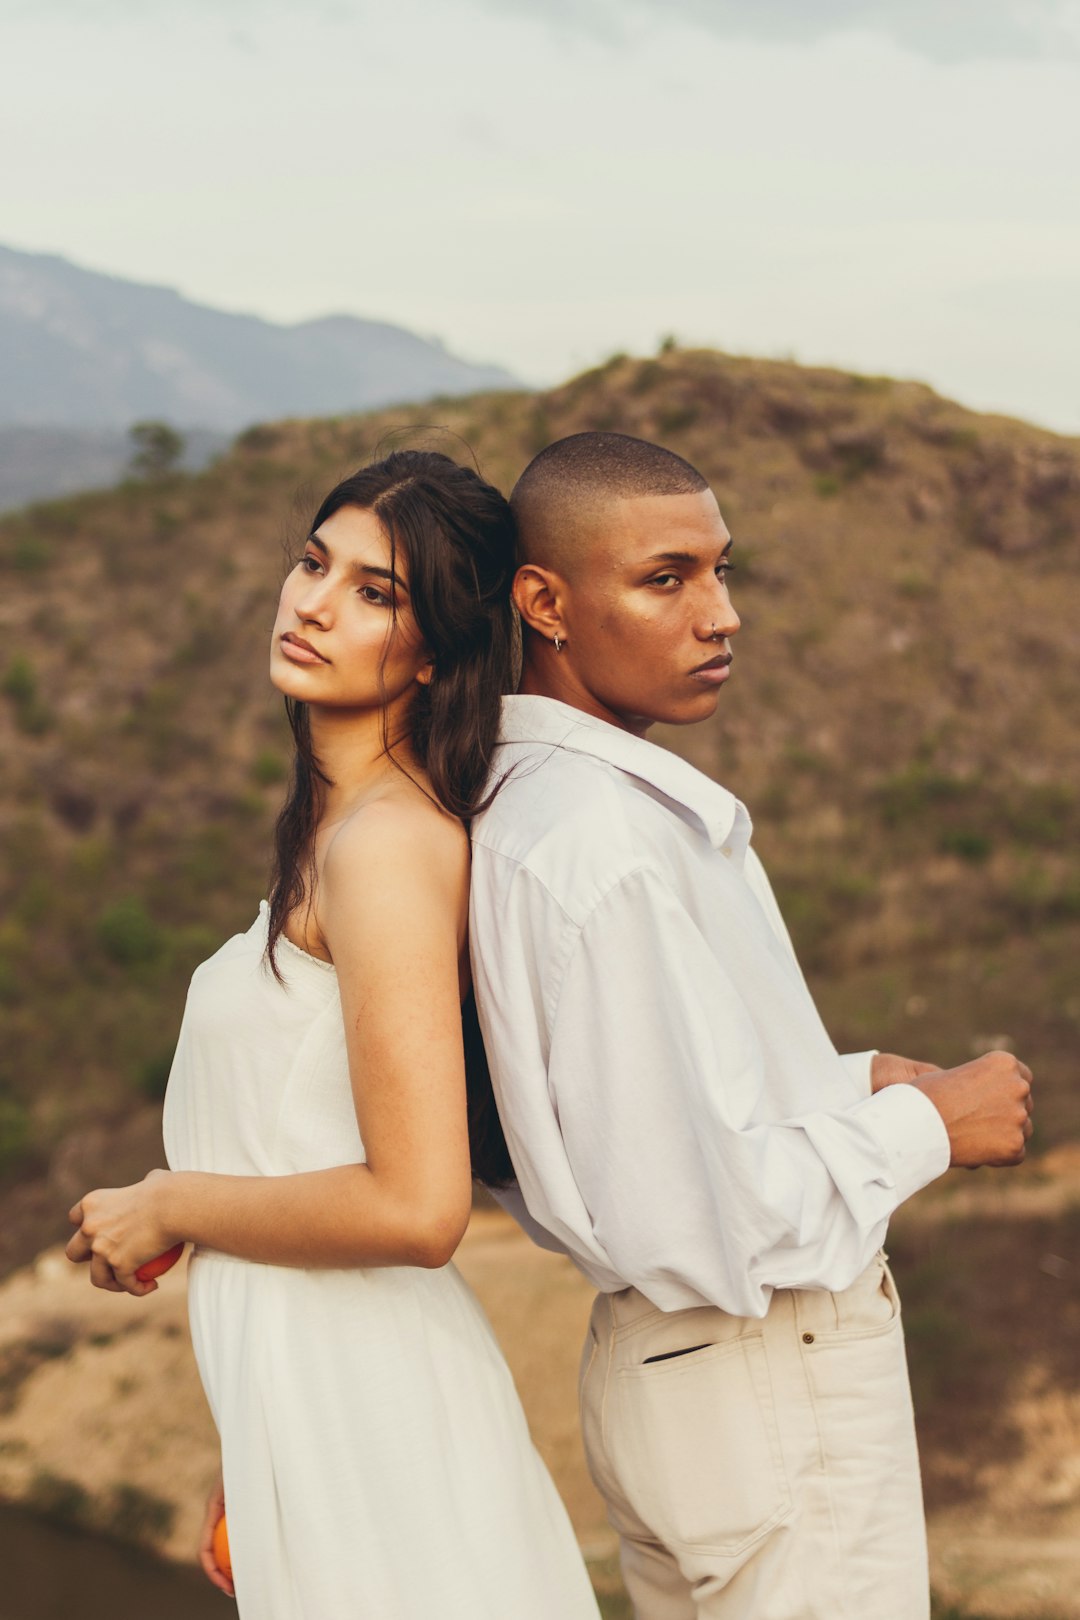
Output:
x,y
338,641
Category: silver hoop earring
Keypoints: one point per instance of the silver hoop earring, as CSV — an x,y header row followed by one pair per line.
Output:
x,y
558,643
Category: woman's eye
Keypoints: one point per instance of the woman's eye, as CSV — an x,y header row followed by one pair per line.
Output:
x,y
371,593
310,565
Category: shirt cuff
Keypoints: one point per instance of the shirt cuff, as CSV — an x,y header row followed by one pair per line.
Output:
x,y
858,1066
912,1135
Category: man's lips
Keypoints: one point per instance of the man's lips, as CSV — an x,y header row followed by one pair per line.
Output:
x,y
721,661
300,651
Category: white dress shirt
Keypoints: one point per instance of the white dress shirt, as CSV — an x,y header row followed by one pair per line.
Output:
x,y
677,1115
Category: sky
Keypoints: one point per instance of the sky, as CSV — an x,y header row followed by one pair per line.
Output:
x,y
889,187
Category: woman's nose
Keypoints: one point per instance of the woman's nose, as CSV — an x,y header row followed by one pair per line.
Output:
x,y
313,603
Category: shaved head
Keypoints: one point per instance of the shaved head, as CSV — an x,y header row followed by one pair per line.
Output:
x,y
561,498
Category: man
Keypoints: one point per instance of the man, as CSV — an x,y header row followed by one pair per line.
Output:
x,y
679,1120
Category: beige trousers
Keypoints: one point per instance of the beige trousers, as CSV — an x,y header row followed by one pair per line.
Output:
x,y
759,1469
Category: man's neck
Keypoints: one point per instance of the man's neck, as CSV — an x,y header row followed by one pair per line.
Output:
x,y
560,684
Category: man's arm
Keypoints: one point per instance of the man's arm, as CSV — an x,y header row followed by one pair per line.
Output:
x,y
693,1187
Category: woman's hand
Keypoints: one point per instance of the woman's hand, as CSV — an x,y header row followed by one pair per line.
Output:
x,y
120,1229
215,1508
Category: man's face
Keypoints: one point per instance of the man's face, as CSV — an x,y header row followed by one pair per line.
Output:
x,y
647,613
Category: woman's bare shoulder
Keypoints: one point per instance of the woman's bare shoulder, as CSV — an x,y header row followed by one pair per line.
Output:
x,y
400,826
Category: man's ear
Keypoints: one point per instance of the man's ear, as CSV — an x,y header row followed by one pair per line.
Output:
x,y
538,594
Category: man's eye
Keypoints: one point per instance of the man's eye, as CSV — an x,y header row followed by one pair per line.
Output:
x,y
663,579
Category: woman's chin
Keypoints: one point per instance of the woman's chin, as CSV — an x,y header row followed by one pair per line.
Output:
x,y
290,681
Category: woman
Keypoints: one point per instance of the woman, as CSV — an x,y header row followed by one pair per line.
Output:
x,y
375,1457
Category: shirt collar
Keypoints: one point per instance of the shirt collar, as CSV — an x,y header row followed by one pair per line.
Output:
x,y
528,718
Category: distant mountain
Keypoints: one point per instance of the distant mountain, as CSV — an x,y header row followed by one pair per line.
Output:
x,y
89,351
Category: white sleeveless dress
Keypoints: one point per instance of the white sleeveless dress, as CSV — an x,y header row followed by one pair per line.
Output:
x,y
377,1461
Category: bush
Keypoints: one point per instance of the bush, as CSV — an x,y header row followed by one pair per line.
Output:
x,y
30,554
268,767
909,794
20,684
965,842
132,1514
676,418
127,932
157,449
15,1131
20,681
153,1076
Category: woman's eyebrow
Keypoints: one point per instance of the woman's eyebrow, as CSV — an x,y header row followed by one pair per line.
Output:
x,y
357,569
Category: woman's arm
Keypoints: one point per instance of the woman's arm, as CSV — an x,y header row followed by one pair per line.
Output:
x,y
392,909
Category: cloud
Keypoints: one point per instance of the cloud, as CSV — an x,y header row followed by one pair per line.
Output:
x,y
944,30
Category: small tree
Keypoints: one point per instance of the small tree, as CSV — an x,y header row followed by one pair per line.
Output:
x,y
156,449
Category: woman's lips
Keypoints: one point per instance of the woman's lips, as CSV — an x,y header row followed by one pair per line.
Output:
x,y
301,652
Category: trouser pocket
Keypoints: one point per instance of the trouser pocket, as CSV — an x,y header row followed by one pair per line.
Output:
x,y
693,1439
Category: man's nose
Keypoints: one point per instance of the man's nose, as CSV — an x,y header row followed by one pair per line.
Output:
x,y
720,619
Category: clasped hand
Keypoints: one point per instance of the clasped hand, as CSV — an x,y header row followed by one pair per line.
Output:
x,y
120,1229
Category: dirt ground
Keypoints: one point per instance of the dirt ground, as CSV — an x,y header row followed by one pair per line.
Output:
x,y
102,1420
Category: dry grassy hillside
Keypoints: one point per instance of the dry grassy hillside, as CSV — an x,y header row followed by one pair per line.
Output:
x,y
904,723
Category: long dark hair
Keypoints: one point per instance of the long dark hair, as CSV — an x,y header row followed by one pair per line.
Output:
x,y
457,536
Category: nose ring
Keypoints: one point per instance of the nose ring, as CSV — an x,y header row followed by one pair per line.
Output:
x,y
713,636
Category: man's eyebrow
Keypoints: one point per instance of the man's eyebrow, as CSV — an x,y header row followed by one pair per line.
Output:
x,y
688,557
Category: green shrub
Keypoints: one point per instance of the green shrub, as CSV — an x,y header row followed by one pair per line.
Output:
x,y
127,932
20,681
20,684
965,842
153,1075
31,554
676,418
909,794
132,1514
914,585
268,767
646,376
15,1131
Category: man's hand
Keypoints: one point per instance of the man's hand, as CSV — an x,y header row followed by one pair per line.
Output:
x,y
886,1069
986,1106
120,1228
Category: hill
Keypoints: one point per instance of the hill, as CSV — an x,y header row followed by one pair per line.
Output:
x,y
89,351
903,723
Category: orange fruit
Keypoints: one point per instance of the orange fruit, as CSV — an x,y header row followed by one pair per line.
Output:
x,y
221,1547
161,1262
